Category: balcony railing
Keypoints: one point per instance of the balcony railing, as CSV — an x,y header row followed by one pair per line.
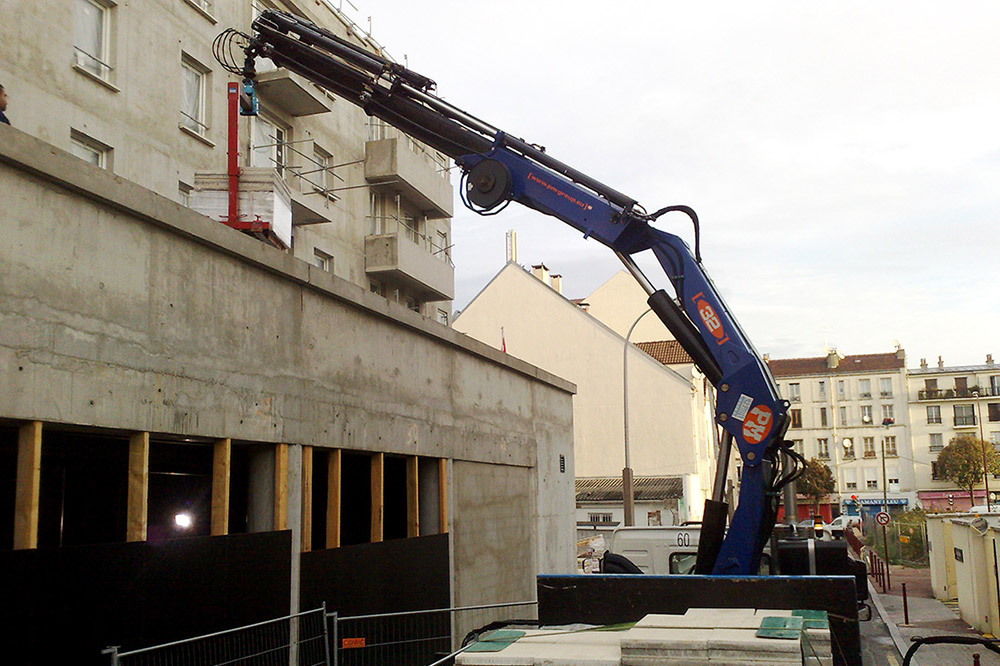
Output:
x,y
949,394
964,421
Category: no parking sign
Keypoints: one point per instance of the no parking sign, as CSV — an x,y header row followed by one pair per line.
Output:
x,y
882,518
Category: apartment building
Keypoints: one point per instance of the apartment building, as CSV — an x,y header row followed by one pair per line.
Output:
x,y
851,412
944,402
138,91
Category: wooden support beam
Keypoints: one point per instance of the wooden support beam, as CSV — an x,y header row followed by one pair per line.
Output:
x,y
281,487
333,499
29,469
378,496
307,498
221,463
442,495
412,498
137,513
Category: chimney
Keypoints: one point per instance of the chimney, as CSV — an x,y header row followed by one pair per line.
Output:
x,y
541,271
923,364
940,363
511,246
989,359
900,354
832,359
557,283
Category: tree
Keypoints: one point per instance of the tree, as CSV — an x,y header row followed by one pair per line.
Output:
x,y
816,482
961,462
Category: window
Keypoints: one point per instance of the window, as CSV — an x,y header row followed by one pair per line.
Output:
x,y
322,260
822,390
869,444
203,5
843,416
794,392
411,303
851,479
194,78
823,447
871,484
934,413
443,250
269,145
937,441
864,389
599,517
90,149
184,193
376,288
888,413
848,447
375,213
964,415
993,411
961,385
892,478
866,414
889,441
319,174
442,316
822,417
885,387
796,418
91,39
935,472
841,389
797,445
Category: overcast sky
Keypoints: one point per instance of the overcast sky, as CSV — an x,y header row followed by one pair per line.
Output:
x,y
844,157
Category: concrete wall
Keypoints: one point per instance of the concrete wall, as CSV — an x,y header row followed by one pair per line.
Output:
x,y
122,309
545,329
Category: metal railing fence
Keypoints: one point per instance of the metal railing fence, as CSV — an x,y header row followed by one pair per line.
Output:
x,y
907,541
300,639
416,638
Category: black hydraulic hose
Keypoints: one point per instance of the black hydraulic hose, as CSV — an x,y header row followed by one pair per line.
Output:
x,y
686,334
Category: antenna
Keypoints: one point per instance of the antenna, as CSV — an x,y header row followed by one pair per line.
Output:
x,y
511,246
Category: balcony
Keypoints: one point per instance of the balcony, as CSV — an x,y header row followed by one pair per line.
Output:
x,y
409,259
292,93
391,166
950,394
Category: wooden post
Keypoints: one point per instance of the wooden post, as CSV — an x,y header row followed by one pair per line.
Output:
x,y
29,468
378,481
443,495
333,499
412,498
137,517
307,498
281,487
221,461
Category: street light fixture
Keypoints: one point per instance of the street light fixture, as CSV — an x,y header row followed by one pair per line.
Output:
x,y
628,496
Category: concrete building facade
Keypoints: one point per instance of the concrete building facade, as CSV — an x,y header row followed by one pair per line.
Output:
x,y
945,402
847,410
669,431
157,363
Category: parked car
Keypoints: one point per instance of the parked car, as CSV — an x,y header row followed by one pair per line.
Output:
x,y
843,521
981,508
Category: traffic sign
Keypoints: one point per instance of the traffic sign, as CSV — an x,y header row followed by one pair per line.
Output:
x,y
882,518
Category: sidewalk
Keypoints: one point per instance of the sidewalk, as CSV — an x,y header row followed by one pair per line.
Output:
x,y
928,617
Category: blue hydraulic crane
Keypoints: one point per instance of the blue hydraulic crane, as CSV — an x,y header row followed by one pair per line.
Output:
x,y
498,168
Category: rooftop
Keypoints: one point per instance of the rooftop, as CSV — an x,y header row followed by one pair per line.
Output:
x,y
667,352
820,365
645,488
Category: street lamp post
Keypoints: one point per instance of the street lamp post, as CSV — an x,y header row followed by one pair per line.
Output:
x,y
982,441
628,496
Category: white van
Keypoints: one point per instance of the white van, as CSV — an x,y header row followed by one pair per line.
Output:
x,y
664,551
658,550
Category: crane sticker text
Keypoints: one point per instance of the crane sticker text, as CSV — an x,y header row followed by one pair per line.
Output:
x,y
757,424
709,318
559,193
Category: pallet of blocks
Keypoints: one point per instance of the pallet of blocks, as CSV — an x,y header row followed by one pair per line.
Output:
x,y
736,637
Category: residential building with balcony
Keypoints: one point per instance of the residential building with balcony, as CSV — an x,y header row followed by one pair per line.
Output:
x,y
945,402
846,411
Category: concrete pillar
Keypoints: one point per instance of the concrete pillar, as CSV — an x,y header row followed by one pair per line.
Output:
x,y
293,476
260,503
306,495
